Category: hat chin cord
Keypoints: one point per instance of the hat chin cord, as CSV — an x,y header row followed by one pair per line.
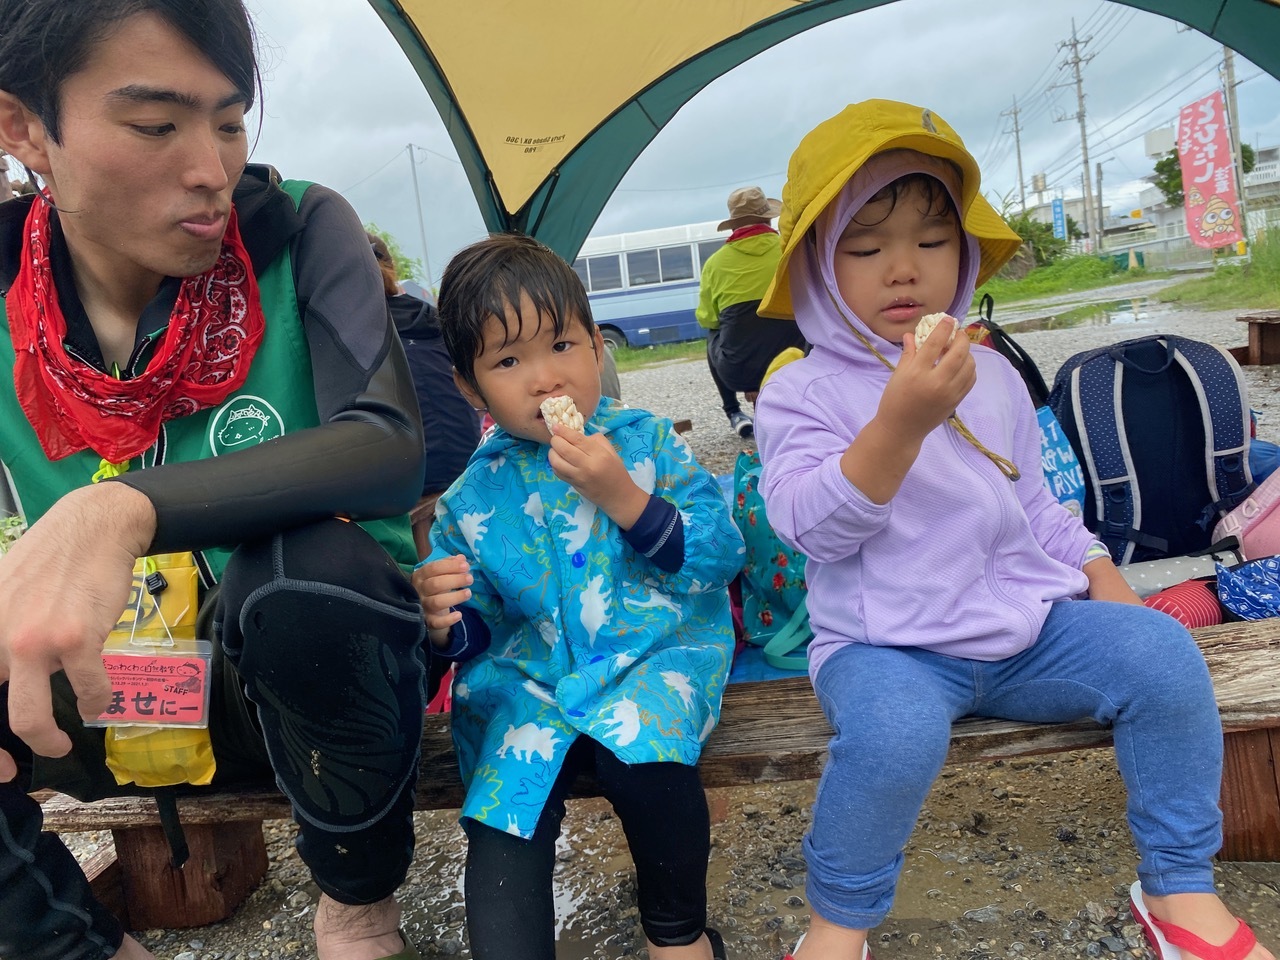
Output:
x,y
1005,466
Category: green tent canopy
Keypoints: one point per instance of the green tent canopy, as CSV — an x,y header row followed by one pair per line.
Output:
x,y
549,102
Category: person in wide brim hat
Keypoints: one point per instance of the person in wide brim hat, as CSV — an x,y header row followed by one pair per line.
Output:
x,y
749,205
831,153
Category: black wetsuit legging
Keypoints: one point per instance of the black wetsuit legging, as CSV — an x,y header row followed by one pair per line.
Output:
x,y
663,810
324,633
728,399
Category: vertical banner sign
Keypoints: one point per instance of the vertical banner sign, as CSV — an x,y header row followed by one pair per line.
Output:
x,y
1208,173
1059,219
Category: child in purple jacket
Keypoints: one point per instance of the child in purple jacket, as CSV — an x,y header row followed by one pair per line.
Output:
x,y
945,580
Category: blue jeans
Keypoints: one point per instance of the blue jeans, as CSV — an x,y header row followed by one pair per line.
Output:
x,y
1130,668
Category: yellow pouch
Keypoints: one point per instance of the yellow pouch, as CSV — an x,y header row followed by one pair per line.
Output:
x,y
160,756
151,755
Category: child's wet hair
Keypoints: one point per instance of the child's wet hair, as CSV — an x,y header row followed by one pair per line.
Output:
x,y
487,281
938,201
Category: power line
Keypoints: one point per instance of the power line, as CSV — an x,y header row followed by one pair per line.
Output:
x,y
705,186
375,173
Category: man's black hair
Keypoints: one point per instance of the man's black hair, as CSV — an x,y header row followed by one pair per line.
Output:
x,y
486,281
43,42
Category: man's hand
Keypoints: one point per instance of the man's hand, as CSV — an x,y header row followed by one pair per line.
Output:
x,y
441,585
593,468
63,586
929,383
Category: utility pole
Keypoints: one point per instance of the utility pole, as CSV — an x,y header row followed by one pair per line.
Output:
x,y
1102,221
417,205
1233,125
1017,140
1076,61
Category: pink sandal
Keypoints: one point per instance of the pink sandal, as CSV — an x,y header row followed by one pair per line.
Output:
x,y
1166,938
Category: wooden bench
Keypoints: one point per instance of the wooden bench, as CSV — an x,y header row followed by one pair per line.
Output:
x,y
1264,338
769,731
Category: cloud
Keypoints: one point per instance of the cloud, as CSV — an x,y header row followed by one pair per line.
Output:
x,y
343,104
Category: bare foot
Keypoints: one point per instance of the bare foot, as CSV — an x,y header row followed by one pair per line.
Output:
x,y
131,949
1203,914
828,941
700,949
346,932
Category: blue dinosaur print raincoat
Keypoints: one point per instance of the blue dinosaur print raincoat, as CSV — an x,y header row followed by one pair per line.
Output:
x,y
588,636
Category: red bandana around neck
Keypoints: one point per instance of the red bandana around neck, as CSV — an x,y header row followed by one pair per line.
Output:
x,y
751,230
202,356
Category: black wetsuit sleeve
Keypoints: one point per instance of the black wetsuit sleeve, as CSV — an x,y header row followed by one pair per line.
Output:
x,y
365,459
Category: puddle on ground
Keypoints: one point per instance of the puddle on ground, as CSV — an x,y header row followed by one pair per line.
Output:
x,y
1135,310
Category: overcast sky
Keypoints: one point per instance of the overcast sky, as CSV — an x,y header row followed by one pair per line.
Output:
x,y
342,103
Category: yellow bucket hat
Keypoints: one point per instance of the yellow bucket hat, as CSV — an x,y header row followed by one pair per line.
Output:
x,y
833,151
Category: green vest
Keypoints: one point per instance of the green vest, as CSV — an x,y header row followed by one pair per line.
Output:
x,y
277,398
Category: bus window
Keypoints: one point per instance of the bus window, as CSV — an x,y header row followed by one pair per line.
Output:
x,y
580,268
606,272
706,248
677,263
642,268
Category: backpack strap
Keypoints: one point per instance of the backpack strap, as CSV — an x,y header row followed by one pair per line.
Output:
x,y
1096,389
779,650
1226,423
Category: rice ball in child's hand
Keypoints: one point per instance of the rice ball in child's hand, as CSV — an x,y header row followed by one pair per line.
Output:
x,y
928,322
561,411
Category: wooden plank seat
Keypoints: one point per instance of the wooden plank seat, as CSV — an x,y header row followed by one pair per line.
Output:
x,y
769,731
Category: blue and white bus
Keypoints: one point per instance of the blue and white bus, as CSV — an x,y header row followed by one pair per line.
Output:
x,y
643,286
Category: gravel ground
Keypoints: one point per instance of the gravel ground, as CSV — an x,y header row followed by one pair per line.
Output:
x,y
1030,858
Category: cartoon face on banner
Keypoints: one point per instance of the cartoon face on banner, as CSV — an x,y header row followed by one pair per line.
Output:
x,y
1208,173
1217,218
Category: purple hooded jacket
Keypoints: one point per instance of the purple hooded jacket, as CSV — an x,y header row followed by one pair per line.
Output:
x,y
961,561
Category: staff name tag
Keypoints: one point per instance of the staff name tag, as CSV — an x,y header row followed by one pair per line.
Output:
x,y
158,686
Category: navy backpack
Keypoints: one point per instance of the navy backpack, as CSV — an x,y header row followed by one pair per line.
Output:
x,y
1161,427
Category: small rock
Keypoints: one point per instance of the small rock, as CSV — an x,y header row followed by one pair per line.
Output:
x,y
781,881
1114,944
1099,913
988,914
185,955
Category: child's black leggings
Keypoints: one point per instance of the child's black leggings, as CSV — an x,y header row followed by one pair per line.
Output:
x,y
663,810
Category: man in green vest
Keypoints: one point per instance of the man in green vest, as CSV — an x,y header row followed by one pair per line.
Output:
x,y
212,345
741,345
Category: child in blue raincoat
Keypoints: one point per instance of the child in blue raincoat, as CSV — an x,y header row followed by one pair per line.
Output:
x,y
580,580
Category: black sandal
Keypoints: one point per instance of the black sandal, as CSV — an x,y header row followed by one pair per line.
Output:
x,y
717,943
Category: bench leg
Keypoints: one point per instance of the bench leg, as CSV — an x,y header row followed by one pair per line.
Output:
x,y
1251,796
227,861
106,880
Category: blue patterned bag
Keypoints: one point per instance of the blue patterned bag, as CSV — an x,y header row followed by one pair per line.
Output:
x,y
773,585
1251,590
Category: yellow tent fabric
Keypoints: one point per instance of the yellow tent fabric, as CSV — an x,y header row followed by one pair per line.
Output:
x,y
538,77
550,101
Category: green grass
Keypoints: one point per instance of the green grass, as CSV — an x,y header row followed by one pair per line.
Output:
x,y
632,358
1232,285
1063,276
